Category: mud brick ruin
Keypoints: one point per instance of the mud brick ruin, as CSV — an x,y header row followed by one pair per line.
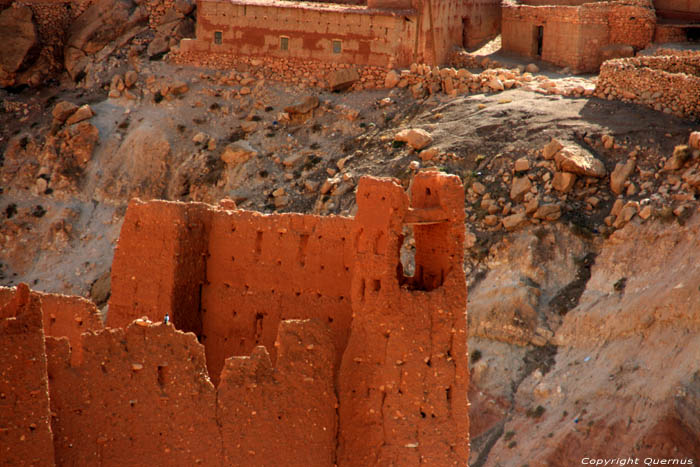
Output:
x,y
581,34
294,340
379,32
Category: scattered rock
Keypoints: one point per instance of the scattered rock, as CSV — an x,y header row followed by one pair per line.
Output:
x,y
306,105
19,38
694,140
619,176
417,138
428,154
478,188
514,221
548,212
577,160
522,164
178,88
551,149
391,80
680,156
63,110
84,112
158,46
130,78
563,181
520,186
532,68
237,153
626,214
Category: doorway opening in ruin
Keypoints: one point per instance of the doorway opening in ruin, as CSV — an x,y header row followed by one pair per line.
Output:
x,y
539,37
693,34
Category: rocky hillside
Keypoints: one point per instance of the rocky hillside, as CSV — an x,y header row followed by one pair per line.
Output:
x,y
581,217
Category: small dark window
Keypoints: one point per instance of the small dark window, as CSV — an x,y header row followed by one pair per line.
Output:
x,y
217,37
284,43
337,46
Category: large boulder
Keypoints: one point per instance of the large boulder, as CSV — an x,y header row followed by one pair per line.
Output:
x,y
19,38
579,161
103,22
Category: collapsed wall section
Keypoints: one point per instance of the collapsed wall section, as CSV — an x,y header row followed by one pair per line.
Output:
x,y
403,378
141,396
63,316
25,429
286,414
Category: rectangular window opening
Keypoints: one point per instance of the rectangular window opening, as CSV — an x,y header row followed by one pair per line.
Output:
x,y
218,36
337,46
284,43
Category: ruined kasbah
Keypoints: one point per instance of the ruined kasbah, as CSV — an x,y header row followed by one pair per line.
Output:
x,y
241,233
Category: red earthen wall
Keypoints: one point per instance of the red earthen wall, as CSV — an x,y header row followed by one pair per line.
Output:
x,y
142,396
63,316
159,264
403,379
25,430
284,415
262,269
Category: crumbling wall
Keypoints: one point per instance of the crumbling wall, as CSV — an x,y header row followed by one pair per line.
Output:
x,y
403,380
63,316
262,269
25,430
670,84
284,415
142,396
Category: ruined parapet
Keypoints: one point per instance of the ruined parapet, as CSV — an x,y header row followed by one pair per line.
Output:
x,y
141,396
25,430
404,376
282,415
63,316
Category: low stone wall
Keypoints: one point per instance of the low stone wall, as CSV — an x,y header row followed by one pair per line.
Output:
x,y
287,70
669,84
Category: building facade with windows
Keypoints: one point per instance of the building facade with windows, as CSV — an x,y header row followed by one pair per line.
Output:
x,y
392,33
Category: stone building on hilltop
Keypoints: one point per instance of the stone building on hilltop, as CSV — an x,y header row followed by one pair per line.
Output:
x,y
376,32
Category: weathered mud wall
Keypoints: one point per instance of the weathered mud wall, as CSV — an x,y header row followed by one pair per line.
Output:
x,y
284,415
25,429
264,269
159,264
403,379
327,298
63,316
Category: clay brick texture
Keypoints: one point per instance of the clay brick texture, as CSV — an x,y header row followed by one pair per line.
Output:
x,y
292,340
